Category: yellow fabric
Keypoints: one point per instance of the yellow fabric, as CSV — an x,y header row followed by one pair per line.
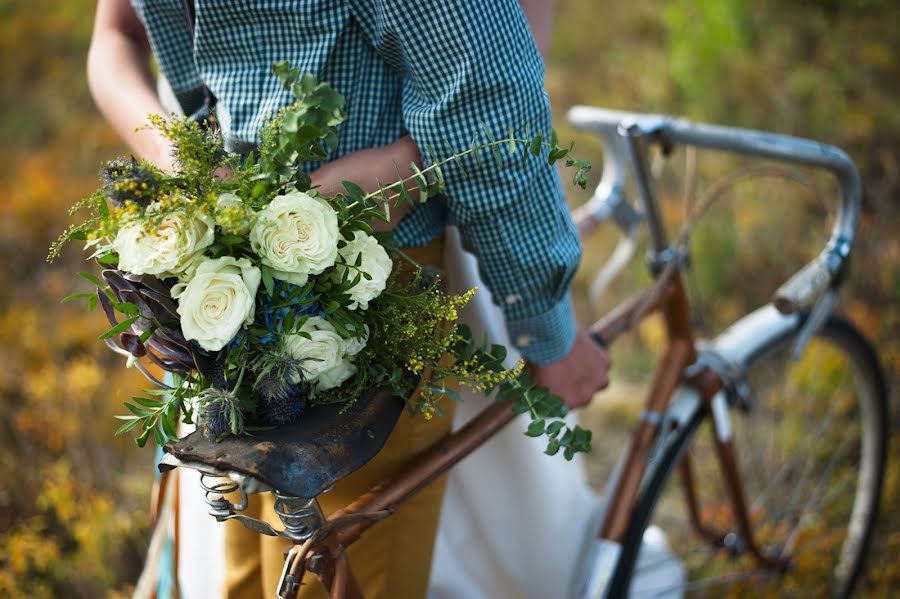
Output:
x,y
393,558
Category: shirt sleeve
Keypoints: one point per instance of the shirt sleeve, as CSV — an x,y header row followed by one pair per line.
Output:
x,y
466,67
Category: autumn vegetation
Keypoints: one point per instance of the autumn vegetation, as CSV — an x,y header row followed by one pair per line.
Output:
x,y
74,499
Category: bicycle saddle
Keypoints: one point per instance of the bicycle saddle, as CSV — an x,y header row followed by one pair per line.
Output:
x,y
307,457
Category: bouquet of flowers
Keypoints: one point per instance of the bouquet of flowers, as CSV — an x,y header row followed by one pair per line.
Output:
x,y
261,297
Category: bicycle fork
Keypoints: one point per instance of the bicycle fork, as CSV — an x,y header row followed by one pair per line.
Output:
x,y
720,420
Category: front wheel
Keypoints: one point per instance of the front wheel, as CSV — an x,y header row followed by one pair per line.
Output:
x,y
810,443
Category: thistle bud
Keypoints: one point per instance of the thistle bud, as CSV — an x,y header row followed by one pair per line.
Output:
x,y
219,413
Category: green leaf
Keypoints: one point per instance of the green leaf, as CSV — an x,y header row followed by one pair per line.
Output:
x,y
552,447
340,328
421,182
92,278
148,402
331,140
554,428
168,425
308,82
535,146
141,440
536,428
122,326
109,259
127,308
138,411
520,406
75,296
127,427
510,134
499,352
268,280
148,333
354,191
498,157
159,435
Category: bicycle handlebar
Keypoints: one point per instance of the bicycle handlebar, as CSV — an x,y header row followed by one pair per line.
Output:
x,y
805,287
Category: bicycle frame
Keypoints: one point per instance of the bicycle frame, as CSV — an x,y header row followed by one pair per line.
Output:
x,y
703,379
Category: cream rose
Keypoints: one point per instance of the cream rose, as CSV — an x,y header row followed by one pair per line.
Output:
x,y
374,261
323,357
217,301
167,248
296,236
354,345
334,377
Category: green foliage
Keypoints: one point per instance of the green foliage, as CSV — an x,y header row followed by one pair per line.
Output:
x,y
198,151
705,39
158,414
545,409
303,132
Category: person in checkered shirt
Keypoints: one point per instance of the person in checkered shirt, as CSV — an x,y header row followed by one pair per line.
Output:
x,y
417,75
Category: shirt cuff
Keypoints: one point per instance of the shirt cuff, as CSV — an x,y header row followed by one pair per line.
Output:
x,y
545,338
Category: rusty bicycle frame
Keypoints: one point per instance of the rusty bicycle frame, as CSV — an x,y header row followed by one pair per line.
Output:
x,y
626,139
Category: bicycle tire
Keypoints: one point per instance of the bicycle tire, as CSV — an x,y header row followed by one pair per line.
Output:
x,y
726,564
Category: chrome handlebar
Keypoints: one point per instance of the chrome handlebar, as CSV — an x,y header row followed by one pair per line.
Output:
x,y
803,289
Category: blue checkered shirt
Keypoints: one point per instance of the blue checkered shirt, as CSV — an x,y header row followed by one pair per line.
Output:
x,y
436,69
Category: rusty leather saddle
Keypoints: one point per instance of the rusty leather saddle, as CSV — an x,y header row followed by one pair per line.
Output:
x,y
306,458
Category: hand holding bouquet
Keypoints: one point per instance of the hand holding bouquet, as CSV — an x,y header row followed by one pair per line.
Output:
x,y
262,297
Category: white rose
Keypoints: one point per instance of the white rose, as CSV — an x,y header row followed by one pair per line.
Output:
x,y
375,261
217,301
354,345
233,215
334,377
296,235
166,248
322,357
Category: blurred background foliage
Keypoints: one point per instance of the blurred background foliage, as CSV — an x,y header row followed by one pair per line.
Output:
x,y
73,500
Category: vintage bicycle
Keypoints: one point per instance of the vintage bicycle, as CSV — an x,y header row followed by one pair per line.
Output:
x,y
793,394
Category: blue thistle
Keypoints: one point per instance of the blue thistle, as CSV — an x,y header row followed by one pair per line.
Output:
x,y
281,391
219,413
284,409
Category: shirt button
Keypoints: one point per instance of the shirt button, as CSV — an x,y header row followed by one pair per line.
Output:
x,y
523,341
511,299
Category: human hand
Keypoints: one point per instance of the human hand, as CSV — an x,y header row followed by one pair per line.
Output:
x,y
367,168
578,375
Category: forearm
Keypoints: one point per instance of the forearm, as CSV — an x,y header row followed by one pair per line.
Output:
x,y
121,79
367,168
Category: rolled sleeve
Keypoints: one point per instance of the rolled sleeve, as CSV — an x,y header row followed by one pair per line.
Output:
x,y
468,67
546,337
